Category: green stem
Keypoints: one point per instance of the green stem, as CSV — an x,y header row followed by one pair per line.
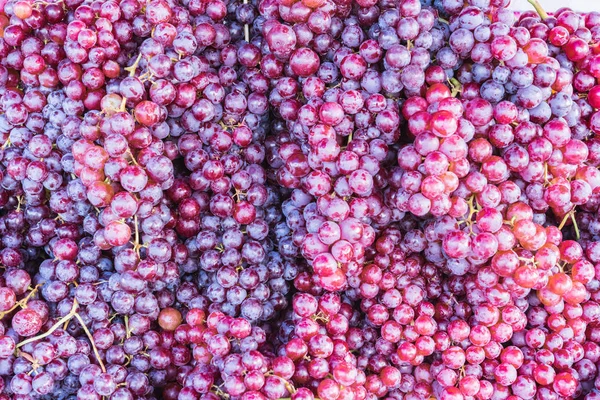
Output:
x,y
133,67
577,235
565,219
456,86
539,9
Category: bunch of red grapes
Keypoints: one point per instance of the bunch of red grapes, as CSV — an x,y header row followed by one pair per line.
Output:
x,y
298,200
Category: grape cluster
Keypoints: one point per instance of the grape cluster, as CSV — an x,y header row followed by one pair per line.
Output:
x,y
299,200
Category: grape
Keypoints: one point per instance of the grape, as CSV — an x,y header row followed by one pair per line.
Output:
x,y
298,199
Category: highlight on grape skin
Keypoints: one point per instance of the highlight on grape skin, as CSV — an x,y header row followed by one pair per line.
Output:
x,y
299,200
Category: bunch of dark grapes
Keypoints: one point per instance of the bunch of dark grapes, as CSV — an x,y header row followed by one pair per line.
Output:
x,y
299,200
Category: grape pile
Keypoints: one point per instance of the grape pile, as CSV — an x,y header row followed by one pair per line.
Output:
x,y
298,200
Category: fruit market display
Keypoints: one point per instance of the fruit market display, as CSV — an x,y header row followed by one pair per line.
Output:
x,y
298,200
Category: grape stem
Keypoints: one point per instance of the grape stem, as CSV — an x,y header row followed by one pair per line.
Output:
x,y
147,76
20,202
546,180
577,235
133,160
564,220
246,28
134,66
539,9
473,209
127,331
131,69
54,327
217,390
59,323
319,317
290,388
89,335
456,86
570,215
21,303
136,244
34,363
123,105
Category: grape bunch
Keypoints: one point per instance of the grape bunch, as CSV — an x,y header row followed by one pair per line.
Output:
x,y
299,200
